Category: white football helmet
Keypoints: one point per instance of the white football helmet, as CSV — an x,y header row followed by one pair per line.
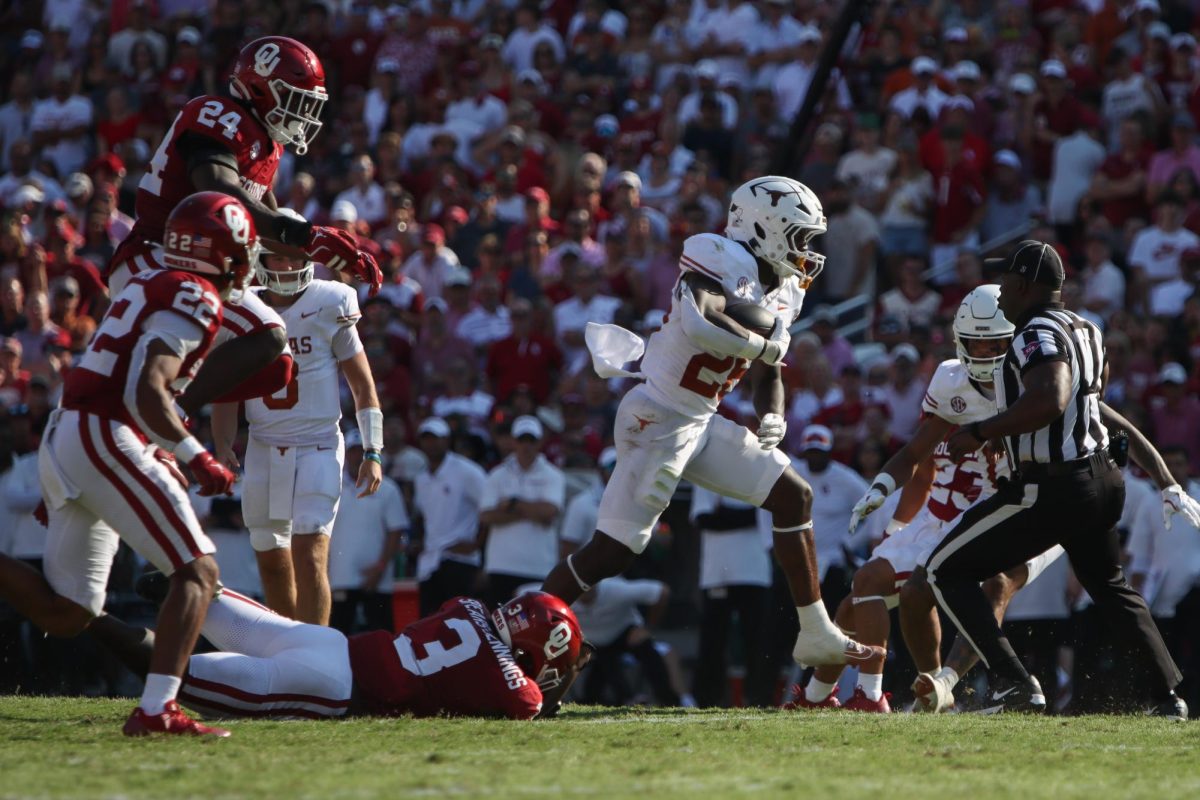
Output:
x,y
777,218
284,282
979,318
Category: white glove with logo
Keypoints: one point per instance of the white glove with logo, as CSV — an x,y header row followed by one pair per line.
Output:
x,y
771,430
1177,501
883,486
777,344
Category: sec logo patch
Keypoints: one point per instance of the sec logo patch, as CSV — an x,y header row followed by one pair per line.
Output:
x,y
743,287
958,404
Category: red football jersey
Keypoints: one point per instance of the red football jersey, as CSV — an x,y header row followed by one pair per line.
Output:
x,y
97,384
449,663
167,182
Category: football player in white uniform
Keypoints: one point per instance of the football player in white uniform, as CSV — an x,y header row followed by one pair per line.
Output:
x,y
667,428
937,492
294,455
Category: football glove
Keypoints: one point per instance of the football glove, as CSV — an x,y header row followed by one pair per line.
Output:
x,y
1177,501
867,504
212,475
167,459
771,430
334,248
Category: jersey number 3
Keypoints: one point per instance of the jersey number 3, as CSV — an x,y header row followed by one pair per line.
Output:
x,y
732,367
438,656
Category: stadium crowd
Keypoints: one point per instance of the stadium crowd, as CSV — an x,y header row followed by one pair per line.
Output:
x,y
520,169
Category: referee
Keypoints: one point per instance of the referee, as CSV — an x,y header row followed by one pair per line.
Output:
x,y
1065,489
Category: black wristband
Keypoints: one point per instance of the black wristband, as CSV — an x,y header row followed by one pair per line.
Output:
x,y
293,232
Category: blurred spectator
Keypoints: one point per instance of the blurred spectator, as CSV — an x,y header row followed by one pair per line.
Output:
x,y
364,193
22,173
16,116
1127,93
572,315
904,392
923,94
63,261
64,312
911,303
437,347
850,245
446,500
1103,281
1154,258
868,168
1076,159
40,331
488,321
1011,201
461,397
12,306
1175,414
406,43
836,348
908,206
14,380
137,31
959,196
61,124
706,74
1182,154
735,578
529,31
433,263
522,500
368,532
525,358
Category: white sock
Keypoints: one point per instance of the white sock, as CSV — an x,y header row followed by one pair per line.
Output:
x,y
946,672
816,691
160,689
872,685
814,618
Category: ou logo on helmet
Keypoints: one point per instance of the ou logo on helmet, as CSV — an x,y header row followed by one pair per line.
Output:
x,y
558,641
266,59
238,223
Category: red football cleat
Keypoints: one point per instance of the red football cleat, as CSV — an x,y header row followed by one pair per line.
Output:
x,y
800,701
860,702
172,720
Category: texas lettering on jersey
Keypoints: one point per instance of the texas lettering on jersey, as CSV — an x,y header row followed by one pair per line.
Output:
x,y
320,326
166,182
679,374
99,382
449,663
957,484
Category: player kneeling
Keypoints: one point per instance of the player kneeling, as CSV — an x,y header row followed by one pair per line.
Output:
x,y
294,457
461,661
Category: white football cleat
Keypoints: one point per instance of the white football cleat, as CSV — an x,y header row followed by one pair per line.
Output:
x,y
934,692
821,647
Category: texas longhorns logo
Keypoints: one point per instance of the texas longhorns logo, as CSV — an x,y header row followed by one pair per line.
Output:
x,y
776,194
642,423
266,59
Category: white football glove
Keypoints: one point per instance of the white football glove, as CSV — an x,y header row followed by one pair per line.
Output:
x,y
777,344
771,430
883,486
1176,501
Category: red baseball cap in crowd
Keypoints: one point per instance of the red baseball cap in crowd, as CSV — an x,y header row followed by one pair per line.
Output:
x,y
433,234
456,214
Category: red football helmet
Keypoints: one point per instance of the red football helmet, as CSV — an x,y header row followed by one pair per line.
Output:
x,y
543,634
213,235
284,83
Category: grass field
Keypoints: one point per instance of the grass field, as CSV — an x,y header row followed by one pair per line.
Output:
x,y
73,748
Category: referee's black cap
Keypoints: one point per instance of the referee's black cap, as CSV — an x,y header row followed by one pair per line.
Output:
x,y
1035,261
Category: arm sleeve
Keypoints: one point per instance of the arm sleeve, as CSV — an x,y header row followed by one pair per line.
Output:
x,y
1038,345
346,343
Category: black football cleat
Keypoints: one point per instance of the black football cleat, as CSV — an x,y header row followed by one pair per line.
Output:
x,y
1172,708
1009,696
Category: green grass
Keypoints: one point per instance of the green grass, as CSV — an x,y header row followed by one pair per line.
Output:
x,y
73,748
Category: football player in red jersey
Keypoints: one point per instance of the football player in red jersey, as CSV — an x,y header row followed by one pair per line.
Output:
x,y
107,459
461,661
232,145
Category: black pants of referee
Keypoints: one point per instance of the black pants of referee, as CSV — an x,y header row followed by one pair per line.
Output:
x,y
1078,510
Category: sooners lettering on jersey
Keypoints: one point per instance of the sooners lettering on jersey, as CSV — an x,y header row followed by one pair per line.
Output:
x,y
449,663
166,182
954,397
320,332
679,374
97,384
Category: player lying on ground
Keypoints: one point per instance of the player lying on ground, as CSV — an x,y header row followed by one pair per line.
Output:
x,y
232,144
667,429
293,478
461,661
934,687
107,458
937,492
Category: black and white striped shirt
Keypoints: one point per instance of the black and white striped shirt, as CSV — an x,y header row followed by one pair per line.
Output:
x,y
1055,334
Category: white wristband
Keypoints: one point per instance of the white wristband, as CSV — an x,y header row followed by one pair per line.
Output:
x,y
754,346
370,427
188,449
894,526
885,481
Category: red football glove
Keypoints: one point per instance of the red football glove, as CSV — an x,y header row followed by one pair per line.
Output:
x,y
168,460
334,248
366,269
212,475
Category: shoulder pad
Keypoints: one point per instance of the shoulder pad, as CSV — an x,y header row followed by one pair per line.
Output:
x,y
341,302
948,380
721,259
221,120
